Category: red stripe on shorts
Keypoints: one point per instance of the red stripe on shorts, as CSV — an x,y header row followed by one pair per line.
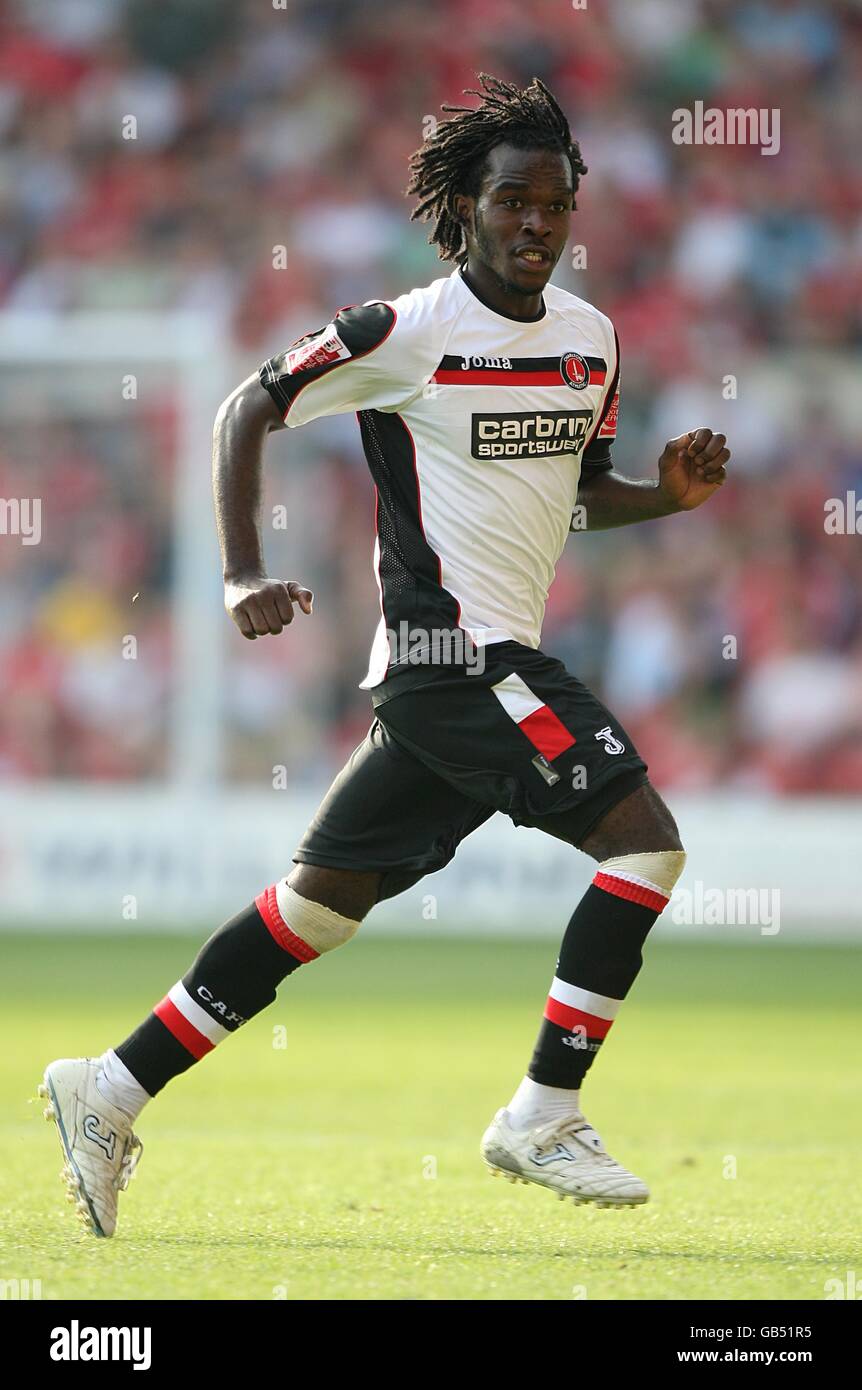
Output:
x,y
546,732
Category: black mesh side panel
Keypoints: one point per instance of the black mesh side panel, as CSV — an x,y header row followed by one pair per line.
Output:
x,y
409,568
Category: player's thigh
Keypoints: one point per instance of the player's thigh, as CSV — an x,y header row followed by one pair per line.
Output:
x,y
386,821
629,817
640,823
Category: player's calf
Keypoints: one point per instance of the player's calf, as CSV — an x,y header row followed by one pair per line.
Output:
x,y
640,860
234,976
600,958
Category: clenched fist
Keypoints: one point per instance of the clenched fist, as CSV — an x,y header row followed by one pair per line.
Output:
x,y
692,468
259,605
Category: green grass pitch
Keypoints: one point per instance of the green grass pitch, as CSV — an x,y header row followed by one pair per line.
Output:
x,y
344,1164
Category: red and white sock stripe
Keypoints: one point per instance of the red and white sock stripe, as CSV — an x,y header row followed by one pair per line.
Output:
x,y
267,905
190,1024
536,720
571,1007
633,887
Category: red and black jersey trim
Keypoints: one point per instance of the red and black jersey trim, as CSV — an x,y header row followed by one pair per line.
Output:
x,y
522,371
409,570
609,400
596,457
360,327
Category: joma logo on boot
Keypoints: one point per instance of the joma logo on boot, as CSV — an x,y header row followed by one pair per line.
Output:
x,y
106,1142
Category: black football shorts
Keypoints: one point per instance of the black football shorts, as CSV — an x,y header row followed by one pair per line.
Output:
x,y
450,746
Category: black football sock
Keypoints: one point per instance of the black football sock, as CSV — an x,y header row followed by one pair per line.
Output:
x,y
599,960
235,976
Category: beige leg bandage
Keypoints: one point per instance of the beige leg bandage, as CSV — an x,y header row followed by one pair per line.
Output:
x,y
318,926
304,928
648,879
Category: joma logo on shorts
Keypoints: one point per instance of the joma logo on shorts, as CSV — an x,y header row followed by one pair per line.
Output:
x,y
529,433
612,744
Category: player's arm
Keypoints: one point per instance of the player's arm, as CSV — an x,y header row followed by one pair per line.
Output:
x,y
257,604
690,470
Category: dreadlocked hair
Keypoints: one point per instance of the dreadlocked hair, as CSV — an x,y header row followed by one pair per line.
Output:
x,y
451,160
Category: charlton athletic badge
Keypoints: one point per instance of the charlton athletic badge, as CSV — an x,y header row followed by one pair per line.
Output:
x,y
574,370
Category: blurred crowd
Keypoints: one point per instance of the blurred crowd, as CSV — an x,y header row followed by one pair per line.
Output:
x,y
78,698
729,642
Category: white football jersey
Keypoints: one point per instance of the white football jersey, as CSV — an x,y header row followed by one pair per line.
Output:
x,y
476,427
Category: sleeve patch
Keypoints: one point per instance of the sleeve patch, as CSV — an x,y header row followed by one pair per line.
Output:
x,y
608,428
324,348
308,367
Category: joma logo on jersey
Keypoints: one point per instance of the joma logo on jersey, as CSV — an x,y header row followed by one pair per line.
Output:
x,y
469,363
527,433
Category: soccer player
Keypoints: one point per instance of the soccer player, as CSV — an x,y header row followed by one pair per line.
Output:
x,y
487,406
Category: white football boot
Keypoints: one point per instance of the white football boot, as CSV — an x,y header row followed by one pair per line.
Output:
x,y
101,1151
567,1156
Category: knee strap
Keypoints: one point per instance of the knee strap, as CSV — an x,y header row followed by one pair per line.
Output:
x,y
318,926
642,876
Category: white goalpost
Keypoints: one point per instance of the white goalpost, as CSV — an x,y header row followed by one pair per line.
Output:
x,y
120,351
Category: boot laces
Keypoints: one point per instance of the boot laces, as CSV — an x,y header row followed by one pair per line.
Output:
x,y
130,1160
557,1131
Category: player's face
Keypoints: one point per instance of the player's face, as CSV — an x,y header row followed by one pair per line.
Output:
x,y
519,225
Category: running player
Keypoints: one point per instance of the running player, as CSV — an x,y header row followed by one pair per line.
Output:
x,y
487,404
